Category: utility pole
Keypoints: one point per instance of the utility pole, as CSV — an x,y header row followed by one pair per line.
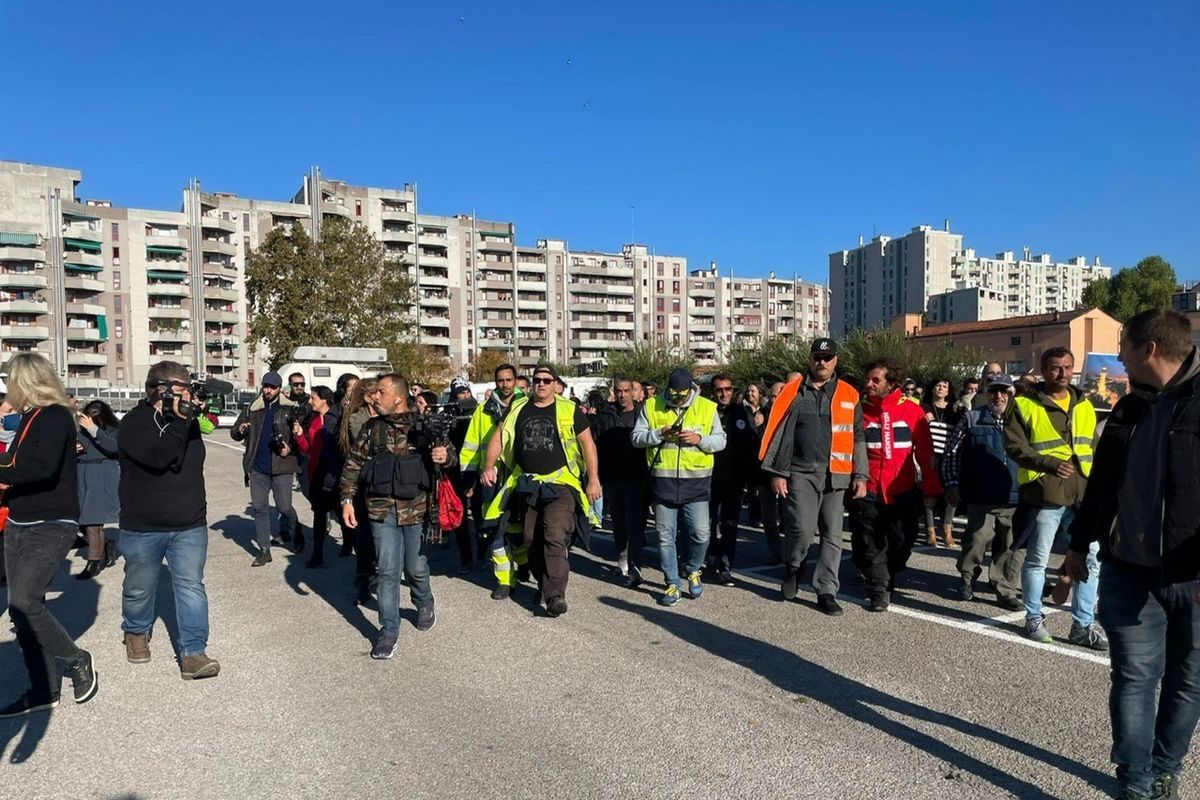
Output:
x,y
417,260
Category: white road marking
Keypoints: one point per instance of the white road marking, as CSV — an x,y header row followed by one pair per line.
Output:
x,y
237,447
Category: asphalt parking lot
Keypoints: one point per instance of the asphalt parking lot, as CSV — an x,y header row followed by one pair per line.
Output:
x,y
737,694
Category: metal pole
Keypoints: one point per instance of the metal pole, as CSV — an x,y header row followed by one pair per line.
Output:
x,y
417,260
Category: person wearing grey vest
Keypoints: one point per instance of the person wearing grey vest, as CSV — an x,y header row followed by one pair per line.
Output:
x,y
977,472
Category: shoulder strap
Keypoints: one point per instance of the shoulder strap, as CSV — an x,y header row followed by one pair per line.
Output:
x,y
21,439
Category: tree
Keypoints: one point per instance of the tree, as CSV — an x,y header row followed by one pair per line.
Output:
x,y
420,363
561,370
649,361
1147,285
340,292
767,362
483,368
924,362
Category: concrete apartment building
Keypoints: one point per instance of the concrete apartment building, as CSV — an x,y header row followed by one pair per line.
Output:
x,y
887,277
106,291
971,304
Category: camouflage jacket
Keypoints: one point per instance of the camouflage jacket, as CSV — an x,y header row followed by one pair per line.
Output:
x,y
408,512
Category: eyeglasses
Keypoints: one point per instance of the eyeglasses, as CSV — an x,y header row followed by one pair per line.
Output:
x,y
723,389
543,381
823,359
298,385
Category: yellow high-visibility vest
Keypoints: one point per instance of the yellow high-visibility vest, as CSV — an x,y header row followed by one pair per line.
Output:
x,y
673,460
1046,441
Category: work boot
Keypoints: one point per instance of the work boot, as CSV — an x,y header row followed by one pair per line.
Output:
x,y
137,647
193,668
948,530
501,592
262,559
967,592
827,604
931,537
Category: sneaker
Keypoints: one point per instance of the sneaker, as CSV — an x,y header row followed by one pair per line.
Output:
x,y
425,617
194,668
967,592
385,648
1011,603
556,606
634,580
878,603
1165,787
828,604
262,559
725,578
1090,637
84,679
791,584
501,592
670,597
28,704
694,585
1036,629
623,563
137,648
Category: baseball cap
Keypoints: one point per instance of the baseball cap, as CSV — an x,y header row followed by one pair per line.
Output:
x,y
824,346
546,368
680,380
458,385
1000,380
272,379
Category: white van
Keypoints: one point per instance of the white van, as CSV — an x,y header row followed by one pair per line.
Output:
x,y
321,366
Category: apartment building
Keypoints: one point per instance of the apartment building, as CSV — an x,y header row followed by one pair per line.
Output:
x,y
106,291
972,304
887,277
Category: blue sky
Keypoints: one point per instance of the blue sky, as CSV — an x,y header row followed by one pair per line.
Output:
x,y
762,135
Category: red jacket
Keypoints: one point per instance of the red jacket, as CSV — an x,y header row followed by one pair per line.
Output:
x,y
312,443
898,440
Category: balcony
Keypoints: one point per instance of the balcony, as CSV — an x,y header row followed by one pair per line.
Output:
x,y
217,224
702,324
395,215
615,269
624,289
168,290
495,344
428,321
22,280
435,341
395,235
163,265
216,315
434,280
31,254
435,301
82,259
169,312
217,246
83,233
495,282
336,209
80,334
87,359
429,260
26,332
214,266
170,335
24,307
80,282
592,343
531,305
168,240
531,286
618,325
86,309
215,293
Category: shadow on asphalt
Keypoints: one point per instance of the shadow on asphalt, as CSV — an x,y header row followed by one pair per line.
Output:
x,y
239,529
76,611
333,583
862,703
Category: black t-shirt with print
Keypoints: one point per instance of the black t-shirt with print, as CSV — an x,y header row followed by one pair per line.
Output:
x,y
537,447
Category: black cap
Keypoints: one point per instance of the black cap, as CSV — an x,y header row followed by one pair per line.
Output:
x,y
680,379
545,368
824,346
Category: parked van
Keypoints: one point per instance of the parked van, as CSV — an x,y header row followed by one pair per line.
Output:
x,y
321,366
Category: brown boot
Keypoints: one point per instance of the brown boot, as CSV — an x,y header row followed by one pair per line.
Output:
x,y
948,530
137,647
198,666
931,537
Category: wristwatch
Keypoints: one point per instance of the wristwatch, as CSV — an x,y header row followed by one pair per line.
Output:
x,y
347,501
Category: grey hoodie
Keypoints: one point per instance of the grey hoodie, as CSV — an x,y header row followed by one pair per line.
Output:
x,y
679,490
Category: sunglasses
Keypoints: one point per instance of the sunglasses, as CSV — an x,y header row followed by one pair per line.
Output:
x,y
823,359
299,385
543,381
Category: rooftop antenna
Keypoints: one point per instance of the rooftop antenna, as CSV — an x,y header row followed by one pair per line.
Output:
x,y
631,210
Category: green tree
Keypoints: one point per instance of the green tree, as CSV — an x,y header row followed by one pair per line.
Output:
x,y
420,363
483,368
649,361
561,370
768,361
922,361
340,292
1147,285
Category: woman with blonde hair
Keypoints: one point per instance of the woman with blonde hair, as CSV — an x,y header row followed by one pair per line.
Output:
x,y
38,476
358,409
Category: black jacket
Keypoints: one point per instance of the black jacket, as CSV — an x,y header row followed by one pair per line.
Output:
x,y
162,472
619,460
1096,519
40,471
738,462
256,414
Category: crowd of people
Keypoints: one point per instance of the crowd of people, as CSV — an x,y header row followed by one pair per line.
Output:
x,y
1027,463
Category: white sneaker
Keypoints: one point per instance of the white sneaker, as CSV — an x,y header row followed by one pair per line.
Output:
x,y
623,563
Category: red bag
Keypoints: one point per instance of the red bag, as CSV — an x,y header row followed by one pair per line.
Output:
x,y
450,507
28,425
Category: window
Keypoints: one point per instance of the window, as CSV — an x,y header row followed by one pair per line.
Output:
x,y
118,329
659,287
1015,341
120,351
358,208
674,287
116,279
117,303
120,373
116,257
116,232
246,222
660,304
675,306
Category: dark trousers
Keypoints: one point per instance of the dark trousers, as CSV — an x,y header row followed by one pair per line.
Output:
x,y
626,504
364,539
1153,631
32,556
882,538
262,486
769,508
464,534
725,513
990,528
547,532
323,504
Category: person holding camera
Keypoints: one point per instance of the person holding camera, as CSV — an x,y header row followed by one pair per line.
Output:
x,y
396,469
164,515
270,461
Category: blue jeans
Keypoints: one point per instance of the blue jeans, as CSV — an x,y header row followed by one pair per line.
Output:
x,y
666,522
396,547
185,553
1037,556
1154,631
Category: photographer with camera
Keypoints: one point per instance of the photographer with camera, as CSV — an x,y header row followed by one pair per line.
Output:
x,y
164,516
396,468
270,461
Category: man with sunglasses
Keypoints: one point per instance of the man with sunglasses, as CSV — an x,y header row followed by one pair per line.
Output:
x,y
269,462
680,431
545,446
815,451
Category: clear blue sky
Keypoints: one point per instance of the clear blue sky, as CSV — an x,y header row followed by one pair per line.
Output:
x,y
763,135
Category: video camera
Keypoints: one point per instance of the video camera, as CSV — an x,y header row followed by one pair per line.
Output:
x,y
201,391
432,429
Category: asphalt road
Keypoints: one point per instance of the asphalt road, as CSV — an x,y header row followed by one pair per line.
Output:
x,y
736,695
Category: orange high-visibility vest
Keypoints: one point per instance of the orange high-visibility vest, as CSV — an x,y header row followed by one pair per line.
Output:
x,y
841,423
